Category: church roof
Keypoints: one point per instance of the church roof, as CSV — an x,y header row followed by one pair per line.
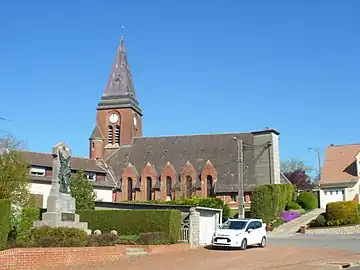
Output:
x,y
119,91
96,134
220,149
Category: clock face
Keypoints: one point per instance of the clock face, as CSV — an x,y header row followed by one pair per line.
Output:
x,y
114,118
135,121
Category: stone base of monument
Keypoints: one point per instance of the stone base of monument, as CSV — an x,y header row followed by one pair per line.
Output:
x,y
61,213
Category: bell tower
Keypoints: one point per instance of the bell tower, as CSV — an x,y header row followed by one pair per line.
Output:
x,y
119,117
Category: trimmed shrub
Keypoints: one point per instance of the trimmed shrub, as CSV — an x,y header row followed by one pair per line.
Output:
x,y
292,206
28,216
4,222
133,222
320,220
268,201
307,200
338,211
289,215
210,202
129,239
58,237
105,239
153,238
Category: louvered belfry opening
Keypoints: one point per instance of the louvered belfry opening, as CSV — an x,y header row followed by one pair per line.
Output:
x,y
117,134
110,134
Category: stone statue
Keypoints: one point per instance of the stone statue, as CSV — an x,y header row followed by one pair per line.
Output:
x,y
61,207
65,169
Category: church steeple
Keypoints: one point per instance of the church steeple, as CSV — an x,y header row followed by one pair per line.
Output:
x,y
119,117
119,91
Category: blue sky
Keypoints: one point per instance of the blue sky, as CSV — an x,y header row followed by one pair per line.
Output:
x,y
200,66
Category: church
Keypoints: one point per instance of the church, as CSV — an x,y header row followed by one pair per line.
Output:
x,y
126,166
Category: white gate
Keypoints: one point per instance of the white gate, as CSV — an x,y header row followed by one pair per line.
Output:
x,y
207,226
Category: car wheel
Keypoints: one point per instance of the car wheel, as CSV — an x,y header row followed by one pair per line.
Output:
x,y
263,242
243,244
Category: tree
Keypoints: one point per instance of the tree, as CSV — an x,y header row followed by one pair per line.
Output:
x,y
82,191
14,178
11,143
298,174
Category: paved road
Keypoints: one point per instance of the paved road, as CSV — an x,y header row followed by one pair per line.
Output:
x,y
351,243
294,253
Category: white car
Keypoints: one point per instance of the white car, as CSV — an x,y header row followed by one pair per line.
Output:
x,y
240,233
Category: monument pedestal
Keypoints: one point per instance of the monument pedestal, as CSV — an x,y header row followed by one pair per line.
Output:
x,y
61,213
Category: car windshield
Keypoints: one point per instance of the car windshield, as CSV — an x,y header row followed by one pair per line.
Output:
x,y
234,225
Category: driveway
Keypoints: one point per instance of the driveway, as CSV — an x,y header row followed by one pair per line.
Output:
x,y
274,256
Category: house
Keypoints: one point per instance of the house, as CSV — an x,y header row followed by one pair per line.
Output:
x,y
131,167
340,175
40,175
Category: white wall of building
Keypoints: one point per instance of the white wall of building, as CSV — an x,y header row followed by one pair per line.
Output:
x,y
43,189
349,193
103,195
275,159
352,191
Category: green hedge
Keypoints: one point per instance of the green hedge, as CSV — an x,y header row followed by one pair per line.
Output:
x,y
345,210
268,201
58,237
210,202
307,200
4,222
28,216
134,222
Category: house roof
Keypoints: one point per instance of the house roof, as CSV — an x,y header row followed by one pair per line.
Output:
x,y
340,164
48,179
46,160
284,179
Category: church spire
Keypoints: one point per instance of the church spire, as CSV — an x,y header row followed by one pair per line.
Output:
x,y
119,91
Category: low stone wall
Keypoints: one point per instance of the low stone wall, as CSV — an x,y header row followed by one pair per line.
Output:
x,y
35,258
335,230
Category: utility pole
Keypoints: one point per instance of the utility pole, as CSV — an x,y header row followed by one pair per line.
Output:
x,y
318,156
240,163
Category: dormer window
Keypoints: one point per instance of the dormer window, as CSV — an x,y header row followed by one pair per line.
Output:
x,y
37,171
91,176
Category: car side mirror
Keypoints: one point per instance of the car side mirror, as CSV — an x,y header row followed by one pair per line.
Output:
x,y
249,230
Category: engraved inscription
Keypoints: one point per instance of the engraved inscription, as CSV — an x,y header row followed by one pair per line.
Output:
x,y
67,217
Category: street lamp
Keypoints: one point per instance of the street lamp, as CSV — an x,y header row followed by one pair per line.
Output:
x,y
318,155
239,144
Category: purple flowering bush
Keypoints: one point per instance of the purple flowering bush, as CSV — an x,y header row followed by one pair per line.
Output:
x,y
289,215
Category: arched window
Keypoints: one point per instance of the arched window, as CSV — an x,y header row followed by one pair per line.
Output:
x,y
189,186
148,188
168,187
209,186
117,134
110,135
130,189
